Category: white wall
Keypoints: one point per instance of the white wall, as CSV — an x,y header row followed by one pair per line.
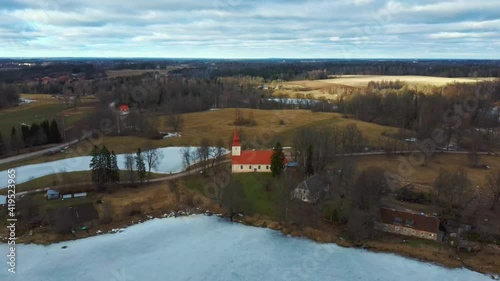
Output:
x,y
250,168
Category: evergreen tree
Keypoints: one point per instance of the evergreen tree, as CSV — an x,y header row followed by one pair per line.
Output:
x,y
3,148
34,136
25,133
45,131
309,162
107,164
277,160
114,168
140,165
13,140
55,135
95,166
102,167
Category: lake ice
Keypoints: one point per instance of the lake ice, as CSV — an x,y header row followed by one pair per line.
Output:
x,y
208,248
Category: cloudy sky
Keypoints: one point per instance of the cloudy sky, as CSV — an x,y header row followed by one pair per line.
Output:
x,y
250,29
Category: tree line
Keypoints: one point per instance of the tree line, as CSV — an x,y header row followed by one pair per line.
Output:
x,y
457,109
9,96
31,135
138,167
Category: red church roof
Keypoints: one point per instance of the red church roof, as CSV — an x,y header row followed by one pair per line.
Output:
x,y
236,138
253,157
124,107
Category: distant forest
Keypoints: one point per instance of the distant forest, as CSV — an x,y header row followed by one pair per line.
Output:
x,y
272,69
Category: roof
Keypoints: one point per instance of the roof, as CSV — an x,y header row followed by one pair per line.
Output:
x,y
421,221
314,184
124,107
52,192
236,138
253,157
292,164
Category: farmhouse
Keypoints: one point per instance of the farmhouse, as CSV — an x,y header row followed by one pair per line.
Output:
x,y
408,223
245,161
311,190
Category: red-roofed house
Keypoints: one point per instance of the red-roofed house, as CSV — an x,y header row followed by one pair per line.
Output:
x,y
124,109
245,161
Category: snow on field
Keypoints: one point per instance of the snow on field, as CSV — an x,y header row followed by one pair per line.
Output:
x,y
171,163
208,248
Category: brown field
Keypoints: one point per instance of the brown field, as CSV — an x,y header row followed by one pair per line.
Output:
x,y
425,175
363,80
218,124
326,88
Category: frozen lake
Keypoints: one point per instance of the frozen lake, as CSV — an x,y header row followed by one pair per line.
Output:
x,y
207,248
171,163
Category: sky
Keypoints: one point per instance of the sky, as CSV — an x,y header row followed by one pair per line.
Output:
x,y
250,29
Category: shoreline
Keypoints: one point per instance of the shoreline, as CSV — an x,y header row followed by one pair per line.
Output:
x,y
385,245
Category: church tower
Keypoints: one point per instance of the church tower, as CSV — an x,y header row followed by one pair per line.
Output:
x,y
236,147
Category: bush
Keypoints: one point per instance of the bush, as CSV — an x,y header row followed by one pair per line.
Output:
x,y
407,195
188,200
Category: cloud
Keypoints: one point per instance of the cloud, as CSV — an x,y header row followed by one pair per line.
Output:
x,y
238,28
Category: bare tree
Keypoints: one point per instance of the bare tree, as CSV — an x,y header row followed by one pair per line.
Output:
x,y
343,178
203,152
492,186
219,151
153,157
365,198
451,186
461,185
186,158
129,163
175,121
442,183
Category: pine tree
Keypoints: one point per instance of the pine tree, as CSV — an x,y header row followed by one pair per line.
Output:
x,y
35,138
277,160
95,165
25,133
140,165
55,135
114,168
13,140
309,164
3,148
107,164
45,132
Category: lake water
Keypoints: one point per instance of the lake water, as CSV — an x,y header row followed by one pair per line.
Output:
x,y
171,163
208,248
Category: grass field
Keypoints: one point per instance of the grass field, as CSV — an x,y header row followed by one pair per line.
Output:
x,y
43,108
257,198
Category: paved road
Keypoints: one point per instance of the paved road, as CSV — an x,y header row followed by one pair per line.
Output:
x,y
41,152
162,179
